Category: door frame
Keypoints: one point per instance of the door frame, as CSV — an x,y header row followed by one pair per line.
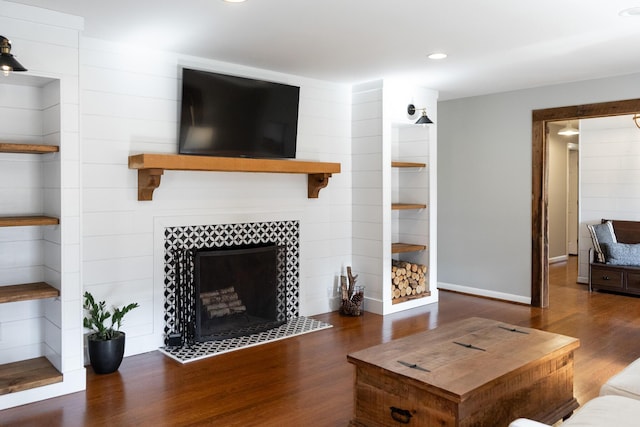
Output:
x,y
540,178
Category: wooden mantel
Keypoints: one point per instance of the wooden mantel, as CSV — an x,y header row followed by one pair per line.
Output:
x,y
151,167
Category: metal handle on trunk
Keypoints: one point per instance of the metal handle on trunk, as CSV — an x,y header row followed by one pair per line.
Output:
x,y
401,415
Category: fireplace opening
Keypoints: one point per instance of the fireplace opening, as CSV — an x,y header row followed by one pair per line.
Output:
x,y
237,290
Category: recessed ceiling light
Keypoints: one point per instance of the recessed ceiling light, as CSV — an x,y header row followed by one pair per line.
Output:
x,y
437,55
235,1
632,11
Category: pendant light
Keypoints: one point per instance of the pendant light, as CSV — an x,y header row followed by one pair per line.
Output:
x,y
7,62
568,130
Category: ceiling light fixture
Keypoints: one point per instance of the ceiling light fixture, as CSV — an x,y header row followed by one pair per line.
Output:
x,y
7,62
636,119
568,130
423,120
234,1
437,55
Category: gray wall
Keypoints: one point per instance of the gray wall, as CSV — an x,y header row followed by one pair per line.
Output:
x,y
484,176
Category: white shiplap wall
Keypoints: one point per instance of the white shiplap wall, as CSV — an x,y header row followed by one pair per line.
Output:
x,y
130,105
609,177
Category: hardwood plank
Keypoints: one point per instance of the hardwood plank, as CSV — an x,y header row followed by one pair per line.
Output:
x,y
306,380
398,248
407,206
27,291
408,165
7,147
27,374
23,221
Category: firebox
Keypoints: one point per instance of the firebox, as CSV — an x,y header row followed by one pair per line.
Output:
x,y
237,291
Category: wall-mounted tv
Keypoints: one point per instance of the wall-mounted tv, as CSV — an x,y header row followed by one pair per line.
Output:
x,y
230,116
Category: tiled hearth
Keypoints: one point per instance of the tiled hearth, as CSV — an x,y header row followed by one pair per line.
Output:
x,y
179,240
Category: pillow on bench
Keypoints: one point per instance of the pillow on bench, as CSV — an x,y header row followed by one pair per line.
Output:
x,y
622,253
602,234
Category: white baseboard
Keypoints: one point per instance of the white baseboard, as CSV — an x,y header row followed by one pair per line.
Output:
x,y
484,293
560,258
583,280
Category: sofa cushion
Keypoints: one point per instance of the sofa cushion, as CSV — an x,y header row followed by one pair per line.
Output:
x,y
624,383
622,253
601,234
609,411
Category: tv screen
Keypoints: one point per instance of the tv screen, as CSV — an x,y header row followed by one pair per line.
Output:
x,y
232,116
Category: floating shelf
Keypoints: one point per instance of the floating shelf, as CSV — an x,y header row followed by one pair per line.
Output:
x,y
27,291
7,147
398,248
151,167
27,374
23,221
408,165
407,206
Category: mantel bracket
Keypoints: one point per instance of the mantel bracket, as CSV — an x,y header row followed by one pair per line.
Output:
x,y
148,180
316,182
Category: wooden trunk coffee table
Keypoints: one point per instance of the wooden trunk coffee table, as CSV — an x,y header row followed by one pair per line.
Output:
x,y
474,372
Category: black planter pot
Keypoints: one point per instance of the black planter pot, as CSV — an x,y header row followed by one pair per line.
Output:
x,y
106,356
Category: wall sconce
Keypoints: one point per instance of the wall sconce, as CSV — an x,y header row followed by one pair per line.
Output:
x,y
7,62
568,130
636,119
423,120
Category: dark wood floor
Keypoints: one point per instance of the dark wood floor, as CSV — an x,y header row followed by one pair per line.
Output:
x,y
306,380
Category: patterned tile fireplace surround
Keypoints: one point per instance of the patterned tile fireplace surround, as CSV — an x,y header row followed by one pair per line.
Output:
x,y
181,240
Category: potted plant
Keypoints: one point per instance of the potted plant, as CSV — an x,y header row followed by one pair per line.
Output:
x,y
105,343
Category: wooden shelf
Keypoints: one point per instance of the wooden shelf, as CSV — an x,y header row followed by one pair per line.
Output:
x,y
6,147
398,248
27,291
407,206
151,167
27,374
408,165
23,221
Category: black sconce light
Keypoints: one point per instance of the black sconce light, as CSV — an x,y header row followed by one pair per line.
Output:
x,y
423,120
7,62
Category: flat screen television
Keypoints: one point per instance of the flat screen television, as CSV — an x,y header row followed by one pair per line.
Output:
x,y
230,116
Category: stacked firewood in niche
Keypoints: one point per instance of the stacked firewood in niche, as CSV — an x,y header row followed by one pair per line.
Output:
x,y
352,295
222,302
408,279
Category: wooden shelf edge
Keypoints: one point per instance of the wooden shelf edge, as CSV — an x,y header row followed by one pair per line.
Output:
x,y
8,147
398,248
151,167
409,298
27,374
27,292
23,221
408,165
407,206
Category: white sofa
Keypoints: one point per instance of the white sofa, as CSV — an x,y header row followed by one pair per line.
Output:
x,y
617,406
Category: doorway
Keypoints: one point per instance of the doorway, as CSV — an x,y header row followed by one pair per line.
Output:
x,y
540,182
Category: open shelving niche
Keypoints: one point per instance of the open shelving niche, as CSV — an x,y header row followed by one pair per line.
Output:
x,y
38,371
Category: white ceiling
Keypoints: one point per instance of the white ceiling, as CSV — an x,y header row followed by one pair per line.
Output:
x,y
493,45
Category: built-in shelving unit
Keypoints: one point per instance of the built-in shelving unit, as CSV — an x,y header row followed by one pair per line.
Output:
x,y
37,372
151,167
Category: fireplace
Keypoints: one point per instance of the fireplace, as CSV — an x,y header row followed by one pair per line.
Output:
x,y
214,247
236,291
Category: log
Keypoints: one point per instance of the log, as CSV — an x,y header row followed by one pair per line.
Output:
x,y
408,279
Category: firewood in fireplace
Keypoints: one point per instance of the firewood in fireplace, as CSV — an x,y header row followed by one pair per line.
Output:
x,y
222,302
